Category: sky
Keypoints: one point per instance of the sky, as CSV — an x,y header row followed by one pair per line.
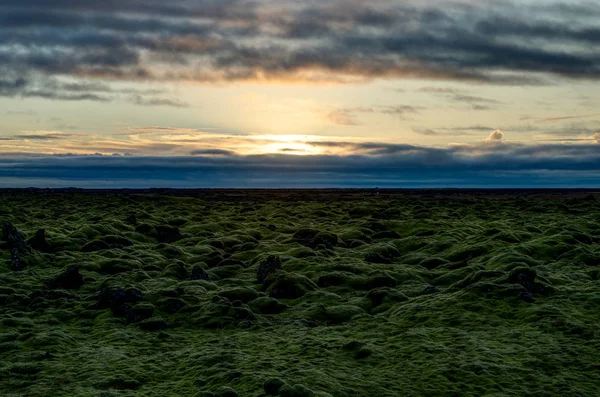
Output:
x,y
314,93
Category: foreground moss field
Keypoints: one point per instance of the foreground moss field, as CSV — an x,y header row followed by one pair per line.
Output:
x,y
300,294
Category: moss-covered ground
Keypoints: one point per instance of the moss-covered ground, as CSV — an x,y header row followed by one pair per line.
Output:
x,y
255,294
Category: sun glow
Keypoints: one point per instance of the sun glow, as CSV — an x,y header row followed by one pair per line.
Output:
x,y
286,144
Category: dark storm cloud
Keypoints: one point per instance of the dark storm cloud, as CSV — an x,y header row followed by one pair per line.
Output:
x,y
211,41
486,164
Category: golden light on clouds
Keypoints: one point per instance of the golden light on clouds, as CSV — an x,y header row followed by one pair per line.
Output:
x,y
288,144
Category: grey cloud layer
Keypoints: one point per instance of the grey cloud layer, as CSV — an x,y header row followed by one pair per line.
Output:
x,y
376,164
236,40
48,87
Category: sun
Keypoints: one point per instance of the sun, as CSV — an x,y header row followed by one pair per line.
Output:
x,y
286,144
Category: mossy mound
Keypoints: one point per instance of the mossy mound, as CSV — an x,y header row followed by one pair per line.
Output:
x,y
289,285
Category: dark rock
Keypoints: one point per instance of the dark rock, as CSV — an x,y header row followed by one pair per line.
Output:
x,y
39,242
167,234
199,274
273,386
268,266
15,238
69,279
526,278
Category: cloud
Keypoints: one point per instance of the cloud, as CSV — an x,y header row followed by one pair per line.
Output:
x,y
495,136
22,112
597,137
342,117
348,116
151,130
212,152
383,165
139,100
563,118
254,40
440,90
456,95
426,131
452,131
476,102
82,90
42,136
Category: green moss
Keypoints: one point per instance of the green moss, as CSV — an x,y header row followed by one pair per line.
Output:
x,y
241,294
375,296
